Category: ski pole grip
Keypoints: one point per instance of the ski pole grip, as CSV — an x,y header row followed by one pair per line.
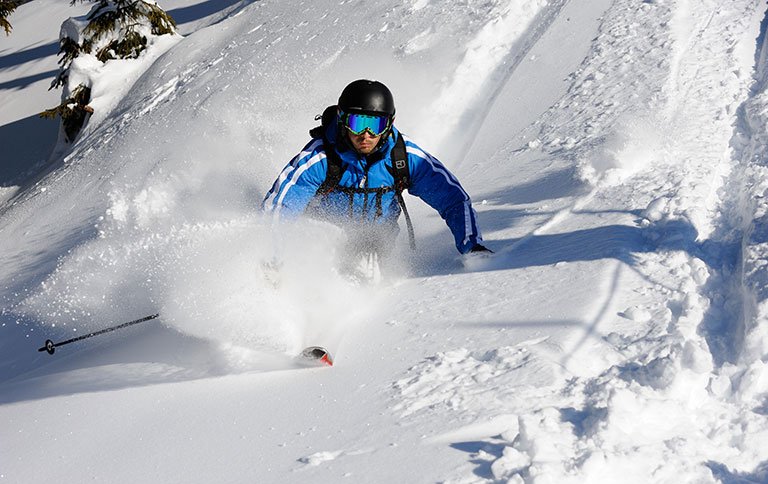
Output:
x,y
50,347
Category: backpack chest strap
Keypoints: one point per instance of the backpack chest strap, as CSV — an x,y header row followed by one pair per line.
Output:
x,y
399,170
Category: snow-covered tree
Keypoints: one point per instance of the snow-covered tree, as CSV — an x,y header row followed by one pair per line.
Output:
x,y
6,8
113,29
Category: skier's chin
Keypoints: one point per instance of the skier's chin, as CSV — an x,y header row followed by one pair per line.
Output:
x,y
365,149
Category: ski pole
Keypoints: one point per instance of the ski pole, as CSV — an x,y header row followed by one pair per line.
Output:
x,y
50,346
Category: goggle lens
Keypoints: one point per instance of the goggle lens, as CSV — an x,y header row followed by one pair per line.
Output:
x,y
359,123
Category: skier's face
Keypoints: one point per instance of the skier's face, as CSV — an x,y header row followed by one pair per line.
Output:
x,y
364,143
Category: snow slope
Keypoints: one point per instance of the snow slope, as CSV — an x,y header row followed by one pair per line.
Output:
x,y
615,153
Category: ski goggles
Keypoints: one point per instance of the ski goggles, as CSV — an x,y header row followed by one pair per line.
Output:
x,y
359,123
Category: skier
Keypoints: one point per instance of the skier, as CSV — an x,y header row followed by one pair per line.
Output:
x,y
353,171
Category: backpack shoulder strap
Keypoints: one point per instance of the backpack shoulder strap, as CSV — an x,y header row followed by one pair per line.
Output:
x,y
334,173
402,174
400,170
333,176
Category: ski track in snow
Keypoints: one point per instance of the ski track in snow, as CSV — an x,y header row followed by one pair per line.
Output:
x,y
618,335
676,152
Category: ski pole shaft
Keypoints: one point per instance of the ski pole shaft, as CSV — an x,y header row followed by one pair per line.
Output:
x,y
50,346
411,236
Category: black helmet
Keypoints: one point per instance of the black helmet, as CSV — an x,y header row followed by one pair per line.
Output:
x,y
368,97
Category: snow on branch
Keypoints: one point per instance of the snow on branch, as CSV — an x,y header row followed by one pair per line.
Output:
x,y
112,30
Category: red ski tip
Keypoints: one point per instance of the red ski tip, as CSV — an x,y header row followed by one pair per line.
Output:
x,y
317,354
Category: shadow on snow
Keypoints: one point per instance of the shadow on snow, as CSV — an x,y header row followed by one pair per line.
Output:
x,y
134,357
199,11
622,243
726,476
31,141
29,55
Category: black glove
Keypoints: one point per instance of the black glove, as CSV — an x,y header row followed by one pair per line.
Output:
x,y
480,248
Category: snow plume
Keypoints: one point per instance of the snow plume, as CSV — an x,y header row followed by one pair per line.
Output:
x,y
239,283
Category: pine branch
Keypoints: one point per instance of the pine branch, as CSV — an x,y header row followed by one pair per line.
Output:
x,y
72,111
6,9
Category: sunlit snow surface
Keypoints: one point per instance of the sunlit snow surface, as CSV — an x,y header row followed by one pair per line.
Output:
x,y
615,154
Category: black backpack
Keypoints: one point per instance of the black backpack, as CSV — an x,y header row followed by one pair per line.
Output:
x,y
399,170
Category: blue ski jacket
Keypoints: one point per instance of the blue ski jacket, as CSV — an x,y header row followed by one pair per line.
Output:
x,y
297,185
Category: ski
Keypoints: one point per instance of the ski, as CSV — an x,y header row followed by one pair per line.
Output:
x,y
316,355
